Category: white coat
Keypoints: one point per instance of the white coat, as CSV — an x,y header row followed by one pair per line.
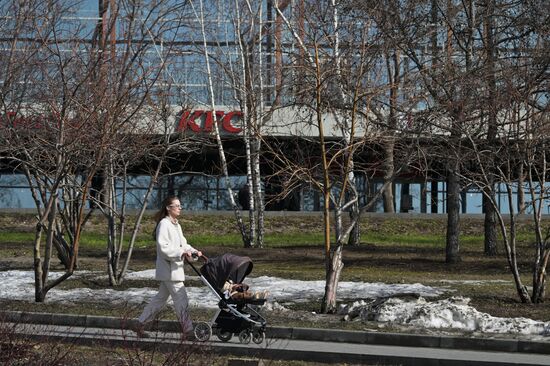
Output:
x,y
171,245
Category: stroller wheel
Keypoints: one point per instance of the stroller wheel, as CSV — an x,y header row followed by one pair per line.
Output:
x,y
258,336
224,336
245,336
203,331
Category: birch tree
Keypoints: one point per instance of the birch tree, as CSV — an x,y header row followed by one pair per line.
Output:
x,y
249,30
242,71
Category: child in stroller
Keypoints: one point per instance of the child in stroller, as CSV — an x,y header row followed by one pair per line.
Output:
x,y
237,313
239,291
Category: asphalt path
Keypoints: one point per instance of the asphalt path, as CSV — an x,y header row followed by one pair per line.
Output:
x,y
280,348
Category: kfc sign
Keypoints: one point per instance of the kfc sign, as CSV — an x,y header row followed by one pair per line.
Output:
x,y
203,121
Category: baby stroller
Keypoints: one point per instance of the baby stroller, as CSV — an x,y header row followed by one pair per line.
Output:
x,y
236,315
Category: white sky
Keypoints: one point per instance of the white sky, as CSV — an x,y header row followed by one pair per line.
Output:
x,y
452,313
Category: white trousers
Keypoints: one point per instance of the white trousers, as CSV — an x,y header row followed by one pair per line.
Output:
x,y
175,289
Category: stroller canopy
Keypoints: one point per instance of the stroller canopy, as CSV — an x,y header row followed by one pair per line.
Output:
x,y
232,267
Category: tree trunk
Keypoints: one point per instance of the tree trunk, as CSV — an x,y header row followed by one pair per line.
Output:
x,y
490,229
258,193
338,222
62,247
539,283
542,251
355,235
221,151
393,69
256,141
521,289
328,259
110,210
333,271
38,283
452,250
250,182
111,240
521,191
490,238
133,237
510,248
42,267
388,177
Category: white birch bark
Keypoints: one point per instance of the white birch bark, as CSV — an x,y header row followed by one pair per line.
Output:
x,y
244,91
257,125
221,152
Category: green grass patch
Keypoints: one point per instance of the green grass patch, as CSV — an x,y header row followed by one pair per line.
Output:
x,y
270,240
429,241
16,237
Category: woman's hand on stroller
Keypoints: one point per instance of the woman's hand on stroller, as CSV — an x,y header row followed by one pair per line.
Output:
x,y
192,256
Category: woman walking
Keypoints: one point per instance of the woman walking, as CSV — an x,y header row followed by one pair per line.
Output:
x,y
172,248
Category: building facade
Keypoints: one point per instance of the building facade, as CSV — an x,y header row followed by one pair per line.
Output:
x,y
234,70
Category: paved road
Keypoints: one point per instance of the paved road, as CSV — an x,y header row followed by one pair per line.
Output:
x,y
316,351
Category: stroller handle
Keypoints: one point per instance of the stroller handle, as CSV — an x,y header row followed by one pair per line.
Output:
x,y
195,258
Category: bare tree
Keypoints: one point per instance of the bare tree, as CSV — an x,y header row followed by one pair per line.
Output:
x,y
149,143
438,39
150,152
199,12
334,87
248,83
516,159
73,110
519,146
242,71
489,27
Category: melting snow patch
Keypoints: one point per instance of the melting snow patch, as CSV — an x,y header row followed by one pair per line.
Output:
x,y
274,306
148,274
476,282
19,285
301,291
452,313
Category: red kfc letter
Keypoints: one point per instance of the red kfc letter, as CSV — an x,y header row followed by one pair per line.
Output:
x,y
226,122
188,119
209,122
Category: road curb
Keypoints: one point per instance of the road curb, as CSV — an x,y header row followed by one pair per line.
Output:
x,y
311,334
317,354
411,340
